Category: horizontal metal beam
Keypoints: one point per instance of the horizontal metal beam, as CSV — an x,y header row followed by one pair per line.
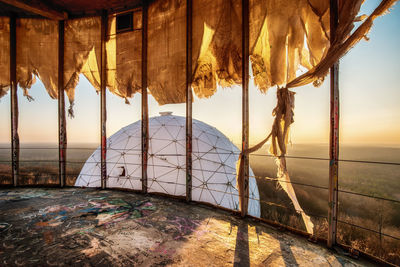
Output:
x,y
37,7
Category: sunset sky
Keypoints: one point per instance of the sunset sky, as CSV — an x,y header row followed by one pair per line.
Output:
x,y
369,102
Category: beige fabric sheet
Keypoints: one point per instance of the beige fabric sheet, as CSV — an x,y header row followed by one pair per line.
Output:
x,y
285,36
342,44
37,54
217,45
81,52
167,51
124,58
4,55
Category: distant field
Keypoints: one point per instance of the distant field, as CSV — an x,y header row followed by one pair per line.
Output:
x,y
39,162
39,165
378,180
371,179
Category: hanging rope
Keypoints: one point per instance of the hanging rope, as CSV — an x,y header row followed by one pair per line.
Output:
x,y
283,113
71,109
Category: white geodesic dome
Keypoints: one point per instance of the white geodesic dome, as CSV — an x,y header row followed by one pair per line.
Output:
x,y
213,163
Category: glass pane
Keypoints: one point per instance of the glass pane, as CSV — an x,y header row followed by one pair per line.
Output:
x,y
83,131
38,133
370,138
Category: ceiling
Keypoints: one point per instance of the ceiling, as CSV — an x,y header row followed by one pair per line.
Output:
x,y
62,9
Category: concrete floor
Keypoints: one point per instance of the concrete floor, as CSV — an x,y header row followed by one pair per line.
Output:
x,y
84,227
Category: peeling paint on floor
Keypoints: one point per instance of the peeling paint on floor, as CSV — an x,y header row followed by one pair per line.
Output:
x,y
85,227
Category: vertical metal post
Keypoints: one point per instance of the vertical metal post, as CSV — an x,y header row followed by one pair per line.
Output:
x,y
103,108
14,101
62,133
334,133
244,196
145,109
189,100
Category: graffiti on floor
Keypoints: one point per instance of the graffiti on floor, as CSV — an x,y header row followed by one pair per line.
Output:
x,y
161,248
102,210
4,226
184,226
63,224
22,195
73,227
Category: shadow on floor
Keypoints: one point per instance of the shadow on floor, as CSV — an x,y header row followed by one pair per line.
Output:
x,y
287,255
242,257
242,250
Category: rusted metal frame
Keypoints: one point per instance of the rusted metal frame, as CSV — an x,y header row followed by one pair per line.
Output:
x,y
244,196
189,99
14,102
37,7
334,133
145,108
62,132
103,107
116,11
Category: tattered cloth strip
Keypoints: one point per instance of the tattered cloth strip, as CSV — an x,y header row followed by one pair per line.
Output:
x,y
285,35
288,34
217,45
4,55
167,51
37,54
341,46
283,113
124,58
166,55
286,185
81,41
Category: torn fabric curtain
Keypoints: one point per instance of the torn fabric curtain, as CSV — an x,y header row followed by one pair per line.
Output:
x,y
37,54
166,51
343,44
285,37
124,58
4,55
82,48
217,45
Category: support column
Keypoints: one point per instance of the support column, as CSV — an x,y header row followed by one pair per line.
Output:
x,y
14,102
189,99
62,132
244,196
145,108
334,133
103,108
